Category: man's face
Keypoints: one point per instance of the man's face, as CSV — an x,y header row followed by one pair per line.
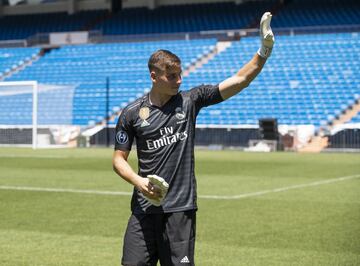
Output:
x,y
167,82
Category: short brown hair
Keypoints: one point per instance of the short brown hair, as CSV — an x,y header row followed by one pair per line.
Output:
x,y
162,60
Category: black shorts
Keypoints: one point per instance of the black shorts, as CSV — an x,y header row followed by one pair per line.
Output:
x,y
168,237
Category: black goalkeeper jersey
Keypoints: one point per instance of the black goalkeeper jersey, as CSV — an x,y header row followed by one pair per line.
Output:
x,y
165,144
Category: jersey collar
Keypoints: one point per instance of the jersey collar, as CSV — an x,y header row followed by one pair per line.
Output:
x,y
147,102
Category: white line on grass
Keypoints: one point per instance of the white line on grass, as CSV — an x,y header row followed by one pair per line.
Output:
x,y
217,197
34,156
64,190
275,190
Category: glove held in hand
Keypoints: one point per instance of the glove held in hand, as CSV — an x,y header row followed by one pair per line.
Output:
x,y
161,184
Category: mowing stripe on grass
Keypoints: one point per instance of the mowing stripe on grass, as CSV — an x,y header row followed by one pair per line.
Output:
x,y
218,197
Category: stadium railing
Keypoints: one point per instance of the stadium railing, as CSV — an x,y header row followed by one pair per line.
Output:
x,y
13,43
96,36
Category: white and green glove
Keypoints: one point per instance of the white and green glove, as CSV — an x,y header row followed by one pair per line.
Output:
x,y
266,36
160,183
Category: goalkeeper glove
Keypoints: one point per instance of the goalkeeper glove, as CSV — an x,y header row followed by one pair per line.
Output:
x,y
162,185
266,36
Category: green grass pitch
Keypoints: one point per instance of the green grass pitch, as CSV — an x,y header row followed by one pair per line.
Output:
x,y
287,209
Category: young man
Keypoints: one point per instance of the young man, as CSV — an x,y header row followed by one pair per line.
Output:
x,y
162,224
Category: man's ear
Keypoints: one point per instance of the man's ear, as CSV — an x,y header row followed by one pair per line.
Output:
x,y
153,76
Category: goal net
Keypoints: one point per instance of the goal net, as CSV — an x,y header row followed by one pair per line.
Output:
x,y
36,115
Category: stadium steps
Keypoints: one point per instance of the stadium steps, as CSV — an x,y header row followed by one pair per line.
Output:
x,y
320,141
220,47
22,66
349,113
316,144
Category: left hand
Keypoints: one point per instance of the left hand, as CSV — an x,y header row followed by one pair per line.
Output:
x,y
266,36
159,185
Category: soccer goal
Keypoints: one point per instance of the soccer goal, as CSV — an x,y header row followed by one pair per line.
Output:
x,y
36,115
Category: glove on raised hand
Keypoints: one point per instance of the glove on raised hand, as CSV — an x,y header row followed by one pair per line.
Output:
x,y
266,36
161,184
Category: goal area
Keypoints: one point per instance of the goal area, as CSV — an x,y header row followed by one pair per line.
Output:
x,y
36,115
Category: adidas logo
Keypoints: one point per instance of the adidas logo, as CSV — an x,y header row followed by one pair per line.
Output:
x,y
145,123
185,260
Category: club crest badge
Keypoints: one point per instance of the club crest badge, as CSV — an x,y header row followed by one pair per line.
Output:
x,y
179,113
144,114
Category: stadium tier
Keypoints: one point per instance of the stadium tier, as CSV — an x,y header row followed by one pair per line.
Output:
x,y
184,18
166,19
309,79
23,26
300,13
84,70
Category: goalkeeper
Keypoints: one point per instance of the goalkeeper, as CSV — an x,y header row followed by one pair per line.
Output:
x,y
162,224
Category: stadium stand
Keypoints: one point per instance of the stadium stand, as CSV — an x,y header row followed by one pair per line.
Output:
x,y
184,18
307,87
166,19
87,67
18,27
301,13
310,86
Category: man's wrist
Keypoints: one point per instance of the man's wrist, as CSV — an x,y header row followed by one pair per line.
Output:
x,y
264,52
137,182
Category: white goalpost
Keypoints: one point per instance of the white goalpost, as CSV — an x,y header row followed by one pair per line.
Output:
x,y
12,88
36,115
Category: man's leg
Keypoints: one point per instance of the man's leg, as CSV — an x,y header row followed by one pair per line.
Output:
x,y
177,242
139,247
